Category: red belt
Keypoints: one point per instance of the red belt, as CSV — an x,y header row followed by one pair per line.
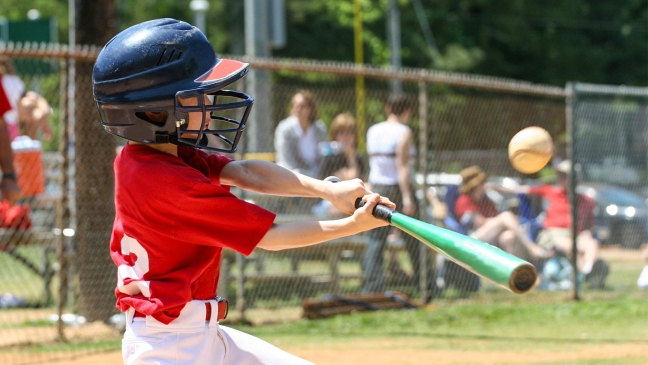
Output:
x,y
223,308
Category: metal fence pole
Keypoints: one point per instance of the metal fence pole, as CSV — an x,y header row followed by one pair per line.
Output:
x,y
423,163
571,101
360,81
240,286
62,210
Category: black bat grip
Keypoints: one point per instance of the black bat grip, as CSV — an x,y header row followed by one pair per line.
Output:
x,y
379,211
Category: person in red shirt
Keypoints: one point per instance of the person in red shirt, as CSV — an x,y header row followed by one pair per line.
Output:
x,y
478,214
9,184
159,84
556,232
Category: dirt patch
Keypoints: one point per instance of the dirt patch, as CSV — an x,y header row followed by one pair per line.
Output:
x,y
19,316
104,358
412,351
618,254
15,337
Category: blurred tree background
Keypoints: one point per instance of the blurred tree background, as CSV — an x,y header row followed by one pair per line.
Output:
x,y
552,42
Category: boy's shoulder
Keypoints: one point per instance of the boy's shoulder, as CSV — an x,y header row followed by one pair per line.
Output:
x,y
142,159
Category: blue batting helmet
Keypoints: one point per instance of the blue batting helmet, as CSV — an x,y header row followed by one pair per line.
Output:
x,y
141,75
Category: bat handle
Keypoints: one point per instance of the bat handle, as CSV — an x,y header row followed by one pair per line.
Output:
x,y
379,211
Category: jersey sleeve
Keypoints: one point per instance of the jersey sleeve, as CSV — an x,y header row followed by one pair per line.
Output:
x,y
165,197
216,164
211,215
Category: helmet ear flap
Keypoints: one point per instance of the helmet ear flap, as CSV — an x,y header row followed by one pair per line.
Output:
x,y
157,118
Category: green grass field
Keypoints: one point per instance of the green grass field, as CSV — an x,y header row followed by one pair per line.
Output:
x,y
509,332
600,332
17,279
492,326
612,320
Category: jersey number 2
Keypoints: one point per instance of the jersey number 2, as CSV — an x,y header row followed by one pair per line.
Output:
x,y
130,278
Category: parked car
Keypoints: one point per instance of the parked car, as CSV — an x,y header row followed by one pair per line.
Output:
x,y
621,215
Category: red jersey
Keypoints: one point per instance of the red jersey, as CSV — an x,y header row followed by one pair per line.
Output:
x,y
5,106
466,204
173,218
559,210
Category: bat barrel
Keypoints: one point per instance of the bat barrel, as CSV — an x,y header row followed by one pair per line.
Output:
x,y
502,268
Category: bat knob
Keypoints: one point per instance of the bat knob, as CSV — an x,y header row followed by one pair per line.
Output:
x,y
333,179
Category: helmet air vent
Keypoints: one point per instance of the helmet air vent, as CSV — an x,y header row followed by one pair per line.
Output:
x,y
168,55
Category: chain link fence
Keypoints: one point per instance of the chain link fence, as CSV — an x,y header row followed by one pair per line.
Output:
x,y
59,280
609,146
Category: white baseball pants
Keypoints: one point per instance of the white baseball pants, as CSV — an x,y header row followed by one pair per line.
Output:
x,y
190,340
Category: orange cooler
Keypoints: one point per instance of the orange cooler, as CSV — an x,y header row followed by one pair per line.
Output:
x,y
28,164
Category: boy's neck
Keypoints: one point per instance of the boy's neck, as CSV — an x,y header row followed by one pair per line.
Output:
x,y
169,148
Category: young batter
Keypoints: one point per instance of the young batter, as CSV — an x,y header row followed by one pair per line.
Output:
x,y
160,85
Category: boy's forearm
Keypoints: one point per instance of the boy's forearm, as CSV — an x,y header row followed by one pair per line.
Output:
x,y
301,234
268,178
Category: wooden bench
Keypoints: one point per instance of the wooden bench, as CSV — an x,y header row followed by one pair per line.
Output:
x,y
331,252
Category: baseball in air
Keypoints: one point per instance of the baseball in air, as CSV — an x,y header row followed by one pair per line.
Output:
x,y
530,150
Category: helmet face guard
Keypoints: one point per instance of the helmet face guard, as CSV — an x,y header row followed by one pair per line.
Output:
x,y
222,122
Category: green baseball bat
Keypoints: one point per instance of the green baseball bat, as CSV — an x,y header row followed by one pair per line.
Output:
x,y
487,261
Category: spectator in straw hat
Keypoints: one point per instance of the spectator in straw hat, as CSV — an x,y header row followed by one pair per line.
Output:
x,y
484,222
